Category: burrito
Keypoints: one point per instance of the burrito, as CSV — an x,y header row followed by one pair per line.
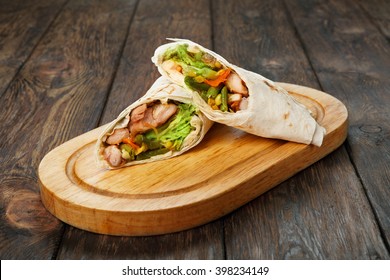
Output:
x,y
228,94
162,124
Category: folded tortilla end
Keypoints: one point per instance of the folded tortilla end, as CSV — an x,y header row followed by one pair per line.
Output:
x,y
318,135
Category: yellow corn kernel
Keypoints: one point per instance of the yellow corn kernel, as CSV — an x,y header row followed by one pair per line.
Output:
x,y
191,73
168,144
220,72
218,100
211,101
141,149
199,79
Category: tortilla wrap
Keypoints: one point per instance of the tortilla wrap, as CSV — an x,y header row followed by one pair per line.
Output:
x,y
162,91
269,112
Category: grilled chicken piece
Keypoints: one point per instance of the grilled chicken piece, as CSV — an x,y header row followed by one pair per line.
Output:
x,y
113,155
118,136
154,116
243,104
235,84
138,113
174,70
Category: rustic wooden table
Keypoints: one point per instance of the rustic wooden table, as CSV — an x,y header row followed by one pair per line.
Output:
x,y
67,67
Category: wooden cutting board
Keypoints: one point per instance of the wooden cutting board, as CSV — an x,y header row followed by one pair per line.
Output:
x,y
226,170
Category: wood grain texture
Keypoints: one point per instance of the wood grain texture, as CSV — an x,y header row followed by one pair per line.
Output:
x,y
267,43
354,65
153,22
379,12
200,243
57,68
57,95
22,24
292,221
165,196
307,229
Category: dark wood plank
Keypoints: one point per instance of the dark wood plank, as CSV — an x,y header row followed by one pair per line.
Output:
x,y
22,24
379,11
309,216
59,93
261,45
153,22
203,242
351,58
322,212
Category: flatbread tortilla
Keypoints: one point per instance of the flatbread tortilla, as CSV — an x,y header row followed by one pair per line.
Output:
x,y
163,91
269,112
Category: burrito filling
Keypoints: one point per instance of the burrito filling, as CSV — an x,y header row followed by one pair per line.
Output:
x,y
217,84
153,129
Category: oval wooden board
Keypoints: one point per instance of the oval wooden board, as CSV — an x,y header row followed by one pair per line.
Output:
x,y
226,170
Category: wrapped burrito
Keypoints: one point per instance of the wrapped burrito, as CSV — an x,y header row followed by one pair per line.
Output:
x,y
162,124
228,94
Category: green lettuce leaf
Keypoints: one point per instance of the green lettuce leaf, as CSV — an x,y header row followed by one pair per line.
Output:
x,y
191,63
